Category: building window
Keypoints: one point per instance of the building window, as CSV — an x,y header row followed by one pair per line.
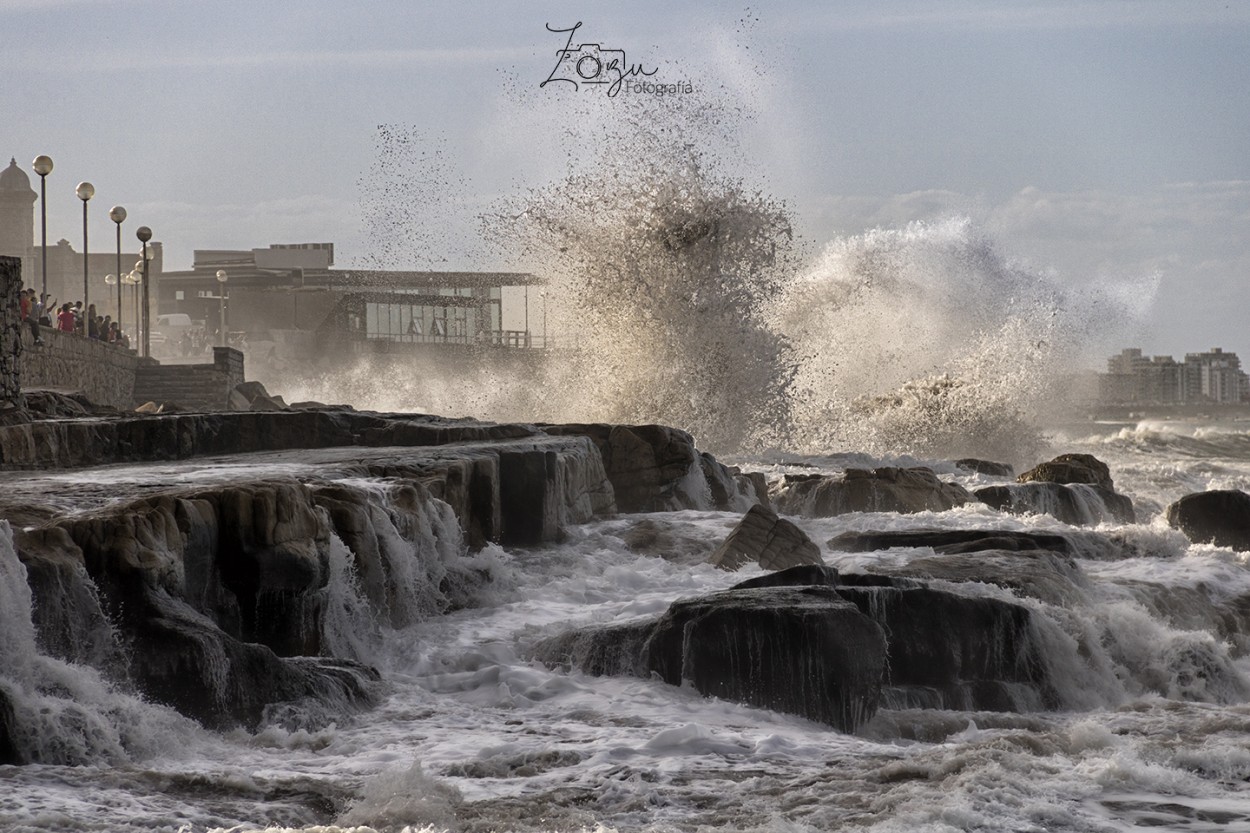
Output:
x,y
179,295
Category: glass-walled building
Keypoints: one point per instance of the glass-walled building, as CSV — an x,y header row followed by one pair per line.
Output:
x,y
452,315
295,287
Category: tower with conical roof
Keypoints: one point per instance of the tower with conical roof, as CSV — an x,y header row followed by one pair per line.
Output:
x,y
17,218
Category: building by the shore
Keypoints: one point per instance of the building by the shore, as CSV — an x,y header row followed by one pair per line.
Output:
x,y
1202,378
289,290
19,227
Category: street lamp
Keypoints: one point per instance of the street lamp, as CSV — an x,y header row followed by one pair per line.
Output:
x,y
85,192
110,280
132,278
43,167
118,214
222,277
145,234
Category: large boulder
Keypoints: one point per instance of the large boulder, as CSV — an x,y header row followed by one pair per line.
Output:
x,y
763,538
886,489
1218,516
1077,504
986,467
1071,468
1075,488
799,650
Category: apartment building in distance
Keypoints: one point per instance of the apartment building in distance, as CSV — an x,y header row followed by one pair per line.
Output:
x,y
1202,378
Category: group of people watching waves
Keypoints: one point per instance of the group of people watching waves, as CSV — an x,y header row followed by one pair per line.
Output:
x,y
69,318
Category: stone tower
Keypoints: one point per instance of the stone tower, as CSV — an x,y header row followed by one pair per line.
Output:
x,y
17,216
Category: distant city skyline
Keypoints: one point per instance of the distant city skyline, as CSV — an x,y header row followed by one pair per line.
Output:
x,y
1094,142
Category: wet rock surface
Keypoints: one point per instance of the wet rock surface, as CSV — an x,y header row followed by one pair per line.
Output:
x,y
886,489
1218,516
1077,504
1071,468
763,538
1075,488
950,540
797,649
986,467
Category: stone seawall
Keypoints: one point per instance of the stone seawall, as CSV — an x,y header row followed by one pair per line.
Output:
x,y
10,321
102,371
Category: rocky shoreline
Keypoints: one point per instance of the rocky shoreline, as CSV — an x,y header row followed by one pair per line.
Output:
x,y
215,594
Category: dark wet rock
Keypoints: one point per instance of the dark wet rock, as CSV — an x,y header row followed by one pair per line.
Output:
x,y
69,621
1039,574
1217,516
986,467
529,502
886,489
191,665
191,587
1077,504
10,755
654,468
949,651
1071,468
805,575
646,463
950,540
799,650
761,537
730,486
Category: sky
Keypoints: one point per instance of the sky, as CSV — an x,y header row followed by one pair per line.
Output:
x,y
1093,141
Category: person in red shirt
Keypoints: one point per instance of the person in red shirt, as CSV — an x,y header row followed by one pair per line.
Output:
x,y
25,304
65,319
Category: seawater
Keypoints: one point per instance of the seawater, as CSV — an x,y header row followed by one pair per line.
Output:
x,y
474,737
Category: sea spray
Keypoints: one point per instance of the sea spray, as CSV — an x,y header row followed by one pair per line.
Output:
x,y
662,272
927,340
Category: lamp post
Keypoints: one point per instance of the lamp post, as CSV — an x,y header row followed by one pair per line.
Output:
x,y
110,280
145,234
85,192
118,215
43,167
222,277
132,278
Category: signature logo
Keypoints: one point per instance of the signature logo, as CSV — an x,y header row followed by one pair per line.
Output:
x,y
590,63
